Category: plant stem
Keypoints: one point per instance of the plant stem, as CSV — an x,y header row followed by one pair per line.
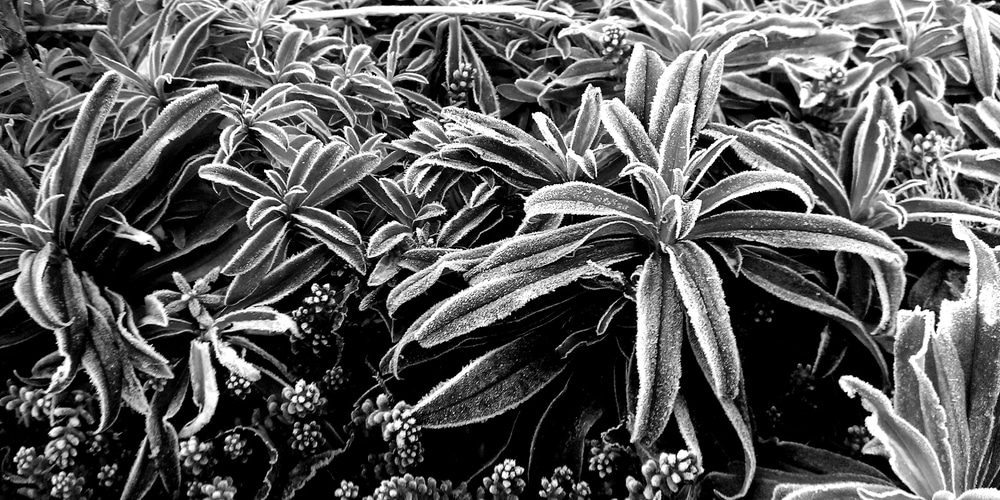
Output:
x,y
448,10
63,28
16,44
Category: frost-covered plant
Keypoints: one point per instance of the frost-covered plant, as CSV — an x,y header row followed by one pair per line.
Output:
x,y
939,430
667,226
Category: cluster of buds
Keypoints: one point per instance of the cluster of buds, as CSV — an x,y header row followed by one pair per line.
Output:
x,y
196,456
334,379
825,94
615,47
235,447
27,403
302,400
219,488
306,437
461,82
603,457
857,437
346,491
28,463
62,448
506,482
400,429
562,487
410,487
322,314
67,485
108,475
238,386
664,477
927,151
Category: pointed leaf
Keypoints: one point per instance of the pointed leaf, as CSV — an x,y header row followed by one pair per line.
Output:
x,y
660,330
204,388
493,384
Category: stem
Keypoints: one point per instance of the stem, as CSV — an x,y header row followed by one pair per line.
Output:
x,y
448,10
63,28
16,43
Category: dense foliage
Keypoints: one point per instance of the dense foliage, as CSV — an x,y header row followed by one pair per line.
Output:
x,y
456,250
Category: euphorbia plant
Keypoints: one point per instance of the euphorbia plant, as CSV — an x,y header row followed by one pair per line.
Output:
x,y
64,241
667,224
939,430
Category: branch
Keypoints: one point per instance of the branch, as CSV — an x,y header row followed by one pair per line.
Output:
x,y
449,10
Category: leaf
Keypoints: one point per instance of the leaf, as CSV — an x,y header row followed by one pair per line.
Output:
x,y
231,176
644,71
204,388
928,208
257,248
138,162
421,281
255,319
533,250
870,143
495,299
659,333
493,384
341,178
711,77
745,183
387,237
581,198
675,149
65,172
700,288
103,361
628,132
792,230
337,234
141,476
972,324
983,57
587,127
910,454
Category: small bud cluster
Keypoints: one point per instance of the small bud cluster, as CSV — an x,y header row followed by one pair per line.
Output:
x,y
322,314
108,475
238,386
334,379
196,456
28,404
235,447
562,487
27,462
67,485
410,487
506,482
219,488
302,400
927,151
857,437
461,82
665,476
615,47
399,429
346,491
603,457
306,437
62,449
824,96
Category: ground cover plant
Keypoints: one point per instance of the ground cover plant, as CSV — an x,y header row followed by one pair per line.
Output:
x,y
275,249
